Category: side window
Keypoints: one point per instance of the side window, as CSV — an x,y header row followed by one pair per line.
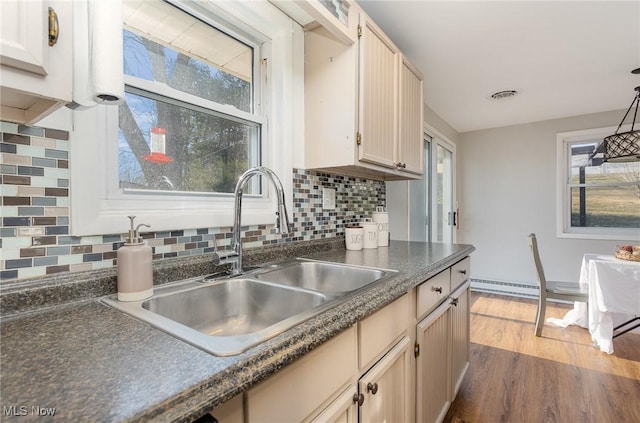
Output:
x,y
599,199
189,122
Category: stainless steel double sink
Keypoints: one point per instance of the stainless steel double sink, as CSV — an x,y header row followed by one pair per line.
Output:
x,y
230,314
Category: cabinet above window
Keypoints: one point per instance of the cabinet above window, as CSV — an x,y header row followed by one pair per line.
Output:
x,y
332,15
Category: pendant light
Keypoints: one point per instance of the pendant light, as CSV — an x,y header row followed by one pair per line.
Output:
x,y
624,146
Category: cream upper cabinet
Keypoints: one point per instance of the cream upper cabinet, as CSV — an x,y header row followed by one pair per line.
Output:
x,y
409,150
35,58
363,104
378,117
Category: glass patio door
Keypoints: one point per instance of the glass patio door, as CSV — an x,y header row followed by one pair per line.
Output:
x,y
444,216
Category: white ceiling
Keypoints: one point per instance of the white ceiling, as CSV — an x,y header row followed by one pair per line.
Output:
x,y
565,58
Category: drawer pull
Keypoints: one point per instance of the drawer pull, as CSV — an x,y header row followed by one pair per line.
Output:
x,y
372,387
438,289
464,271
358,399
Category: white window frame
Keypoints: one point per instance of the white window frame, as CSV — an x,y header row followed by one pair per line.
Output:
x,y
98,208
563,191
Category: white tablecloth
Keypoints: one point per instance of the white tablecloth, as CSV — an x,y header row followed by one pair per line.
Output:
x,y
614,297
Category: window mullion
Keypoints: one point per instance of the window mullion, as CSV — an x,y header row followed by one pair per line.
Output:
x,y
165,93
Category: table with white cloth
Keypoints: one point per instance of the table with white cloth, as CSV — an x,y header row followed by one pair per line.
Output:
x,y
614,297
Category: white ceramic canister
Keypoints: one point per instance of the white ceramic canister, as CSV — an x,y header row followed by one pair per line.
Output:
x,y
370,233
381,217
354,237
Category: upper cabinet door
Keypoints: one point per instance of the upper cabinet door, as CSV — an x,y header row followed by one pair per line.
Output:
x,y
378,95
409,152
22,35
35,58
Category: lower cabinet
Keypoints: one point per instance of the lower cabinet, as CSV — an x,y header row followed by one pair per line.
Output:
x,y
385,391
460,337
433,365
298,391
403,363
343,410
362,375
442,348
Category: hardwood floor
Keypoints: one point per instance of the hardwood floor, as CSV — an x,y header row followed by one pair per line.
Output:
x,y
516,377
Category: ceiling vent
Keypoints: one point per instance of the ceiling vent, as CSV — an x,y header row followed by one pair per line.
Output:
x,y
499,95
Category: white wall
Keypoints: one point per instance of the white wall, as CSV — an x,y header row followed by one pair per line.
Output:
x,y
507,188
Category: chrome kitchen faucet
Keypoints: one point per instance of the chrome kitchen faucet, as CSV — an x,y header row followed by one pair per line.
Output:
x,y
282,217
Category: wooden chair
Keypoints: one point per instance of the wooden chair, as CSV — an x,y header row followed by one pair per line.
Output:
x,y
567,291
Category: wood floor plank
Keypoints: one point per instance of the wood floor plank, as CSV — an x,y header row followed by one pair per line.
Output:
x,y
560,377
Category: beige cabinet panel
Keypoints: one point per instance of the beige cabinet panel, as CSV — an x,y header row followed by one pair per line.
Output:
x,y
409,154
432,292
343,410
460,272
460,337
378,332
230,412
386,387
378,95
295,392
433,366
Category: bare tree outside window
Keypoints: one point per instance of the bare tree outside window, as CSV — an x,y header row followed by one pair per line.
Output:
x,y
197,149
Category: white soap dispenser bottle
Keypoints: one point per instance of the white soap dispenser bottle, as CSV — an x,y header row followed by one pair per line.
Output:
x,y
135,271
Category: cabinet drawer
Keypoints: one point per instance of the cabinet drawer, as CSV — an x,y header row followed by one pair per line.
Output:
x,y
378,332
460,272
295,392
432,292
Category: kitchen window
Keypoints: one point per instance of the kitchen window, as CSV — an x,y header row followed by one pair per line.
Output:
x,y
597,200
191,120
210,90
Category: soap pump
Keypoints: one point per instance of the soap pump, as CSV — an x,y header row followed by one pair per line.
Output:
x,y
135,271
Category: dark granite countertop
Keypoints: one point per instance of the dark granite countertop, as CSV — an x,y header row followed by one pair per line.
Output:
x,y
94,363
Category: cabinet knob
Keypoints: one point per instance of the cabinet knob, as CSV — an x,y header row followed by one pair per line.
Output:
x,y
54,29
464,271
454,301
438,289
372,387
358,399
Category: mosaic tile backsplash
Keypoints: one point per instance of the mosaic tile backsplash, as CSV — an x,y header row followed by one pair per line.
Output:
x,y
34,232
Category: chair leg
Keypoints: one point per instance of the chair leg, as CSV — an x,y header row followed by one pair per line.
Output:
x,y
542,303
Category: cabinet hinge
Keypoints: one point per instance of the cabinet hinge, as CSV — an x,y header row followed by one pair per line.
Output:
x,y
416,349
359,31
358,138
